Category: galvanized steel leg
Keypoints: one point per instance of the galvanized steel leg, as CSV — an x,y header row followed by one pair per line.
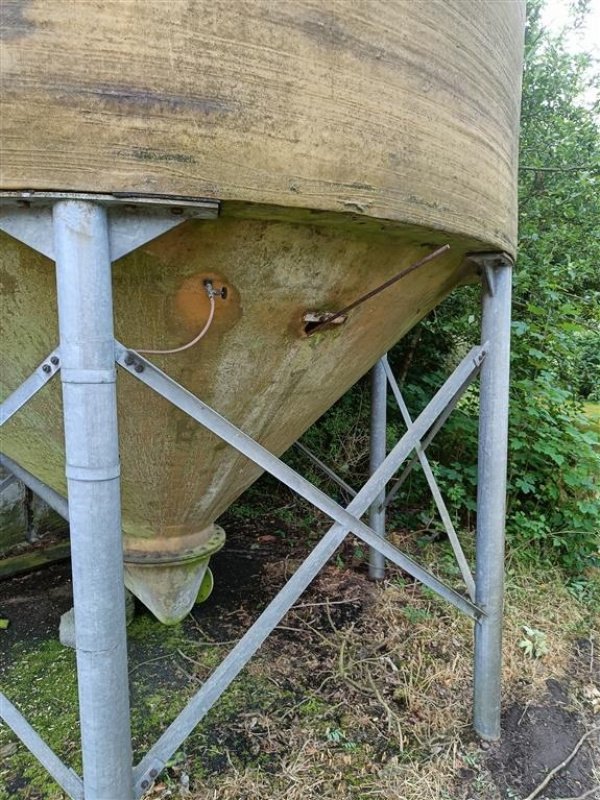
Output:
x,y
491,500
87,349
378,453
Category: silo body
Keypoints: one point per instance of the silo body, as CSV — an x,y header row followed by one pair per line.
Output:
x,y
344,141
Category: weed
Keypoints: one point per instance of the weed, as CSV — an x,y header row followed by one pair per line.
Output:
x,y
535,643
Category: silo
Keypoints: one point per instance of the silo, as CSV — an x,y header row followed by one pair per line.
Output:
x,y
305,152
343,142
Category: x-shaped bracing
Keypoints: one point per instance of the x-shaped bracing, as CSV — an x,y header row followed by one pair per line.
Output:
x,y
346,520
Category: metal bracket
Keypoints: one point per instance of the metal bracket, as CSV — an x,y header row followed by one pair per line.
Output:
x,y
133,220
487,263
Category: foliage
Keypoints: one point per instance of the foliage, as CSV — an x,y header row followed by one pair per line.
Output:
x,y
534,643
553,505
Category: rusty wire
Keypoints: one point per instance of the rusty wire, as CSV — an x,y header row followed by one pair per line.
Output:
x,y
425,260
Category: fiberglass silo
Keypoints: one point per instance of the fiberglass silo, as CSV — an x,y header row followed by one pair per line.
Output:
x,y
343,141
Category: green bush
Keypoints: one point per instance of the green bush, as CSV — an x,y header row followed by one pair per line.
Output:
x,y
553,511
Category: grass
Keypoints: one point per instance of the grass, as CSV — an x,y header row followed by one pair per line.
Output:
x,y
362,692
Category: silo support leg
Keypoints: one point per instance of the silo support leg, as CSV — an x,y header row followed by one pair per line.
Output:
x,y
491,498
83,268
377,457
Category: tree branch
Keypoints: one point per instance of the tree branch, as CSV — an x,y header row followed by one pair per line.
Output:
x,y
560,169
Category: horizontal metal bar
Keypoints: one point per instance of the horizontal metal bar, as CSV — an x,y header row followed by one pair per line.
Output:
x,y
434,488
36,381
55,500
345,519
205,206
325,469
66,778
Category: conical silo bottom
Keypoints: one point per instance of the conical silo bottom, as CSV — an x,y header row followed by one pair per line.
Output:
x,y
258,365
168,581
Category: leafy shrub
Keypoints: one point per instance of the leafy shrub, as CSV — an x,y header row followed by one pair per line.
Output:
x,y
553,511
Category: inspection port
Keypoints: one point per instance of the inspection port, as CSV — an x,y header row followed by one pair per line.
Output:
x,y
319,320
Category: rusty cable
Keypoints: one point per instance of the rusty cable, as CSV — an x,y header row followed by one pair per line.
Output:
x,y
425,260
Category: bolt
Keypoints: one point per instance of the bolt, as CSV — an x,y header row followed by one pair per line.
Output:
x,y
54,360
153,773
139,367
47,368
129,359
177,212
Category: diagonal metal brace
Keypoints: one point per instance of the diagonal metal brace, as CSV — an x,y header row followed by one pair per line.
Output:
x,y
6,482
325,469
423,460
31,386
435,491
55,500
66,778
346,520
426,441
153,377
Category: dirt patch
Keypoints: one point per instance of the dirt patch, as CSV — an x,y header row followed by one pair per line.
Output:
x,y
538,738
33,605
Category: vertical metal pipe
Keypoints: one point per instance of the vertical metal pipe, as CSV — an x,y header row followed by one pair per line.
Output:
x,y
88,375
378,453
491,501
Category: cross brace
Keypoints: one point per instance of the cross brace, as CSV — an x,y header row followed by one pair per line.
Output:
x,y
379,508
346,520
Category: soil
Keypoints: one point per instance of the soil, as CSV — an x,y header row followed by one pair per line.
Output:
x,y
33,604
537,738
250,569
